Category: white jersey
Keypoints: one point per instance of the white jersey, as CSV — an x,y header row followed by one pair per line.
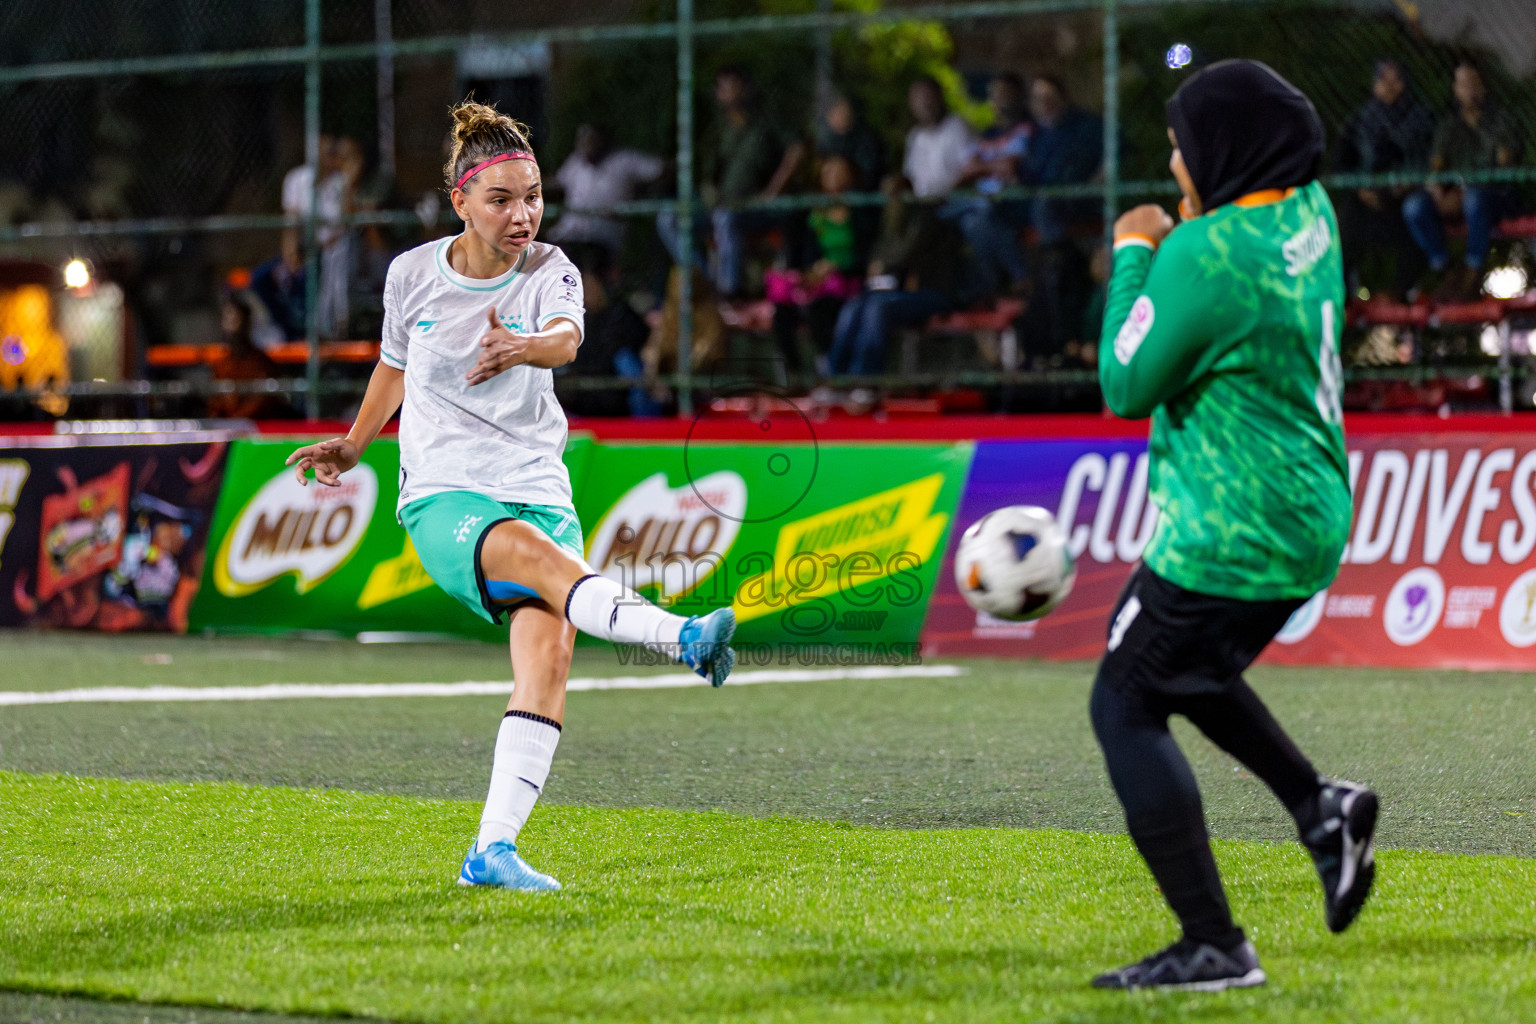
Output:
x,y
503,438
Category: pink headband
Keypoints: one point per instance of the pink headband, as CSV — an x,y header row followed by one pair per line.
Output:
x,y
482,165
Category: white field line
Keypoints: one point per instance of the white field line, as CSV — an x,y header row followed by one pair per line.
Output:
x,y
469,688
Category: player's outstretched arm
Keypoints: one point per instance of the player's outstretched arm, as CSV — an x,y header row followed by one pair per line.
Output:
x,y
330,459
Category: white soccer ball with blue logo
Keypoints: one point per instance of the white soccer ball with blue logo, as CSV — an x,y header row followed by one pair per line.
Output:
x,y
1013,563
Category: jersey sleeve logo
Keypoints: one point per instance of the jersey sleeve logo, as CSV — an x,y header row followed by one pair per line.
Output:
x,y
1135,329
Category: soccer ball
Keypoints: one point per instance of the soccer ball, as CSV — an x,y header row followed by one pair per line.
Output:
x,y
1013,563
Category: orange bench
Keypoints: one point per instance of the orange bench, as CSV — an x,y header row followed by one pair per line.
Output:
x,y
289,353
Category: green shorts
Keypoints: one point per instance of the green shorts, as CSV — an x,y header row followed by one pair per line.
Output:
x,y
448,529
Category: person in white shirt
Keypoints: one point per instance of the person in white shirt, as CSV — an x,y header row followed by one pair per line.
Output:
x,y
595,176
938,145
473,326
341,164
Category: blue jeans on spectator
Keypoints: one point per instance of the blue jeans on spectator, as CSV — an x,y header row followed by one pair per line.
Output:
x,y
729,228
992,230
1480,205
867,321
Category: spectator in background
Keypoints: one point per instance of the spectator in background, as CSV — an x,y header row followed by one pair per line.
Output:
x,y
937,145
742,159
992,226
1067,149
279,285
240,361
841,131
826,275
913,274
1391,132
341,168
594,176
1470,138
615,336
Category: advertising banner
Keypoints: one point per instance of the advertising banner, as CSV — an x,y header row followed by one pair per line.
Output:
x,y
105,537
1098,490
283,557
1439,570
832,547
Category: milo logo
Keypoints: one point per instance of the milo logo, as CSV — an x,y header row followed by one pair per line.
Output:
x,y
289,529
669,539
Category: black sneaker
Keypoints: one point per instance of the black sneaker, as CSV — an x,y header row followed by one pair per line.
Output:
x,y
1190,965
1341,847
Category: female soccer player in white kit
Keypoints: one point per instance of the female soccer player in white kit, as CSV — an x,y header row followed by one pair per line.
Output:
x,y
473,325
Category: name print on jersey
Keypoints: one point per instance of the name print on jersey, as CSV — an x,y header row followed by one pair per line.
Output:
x,y
1306,247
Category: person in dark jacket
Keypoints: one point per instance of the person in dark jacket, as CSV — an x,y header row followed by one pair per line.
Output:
x,y
1391,131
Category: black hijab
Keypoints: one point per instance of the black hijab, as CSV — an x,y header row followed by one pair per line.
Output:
x,y
1242,128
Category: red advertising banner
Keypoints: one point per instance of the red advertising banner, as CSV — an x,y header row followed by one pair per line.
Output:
x,y
1440,570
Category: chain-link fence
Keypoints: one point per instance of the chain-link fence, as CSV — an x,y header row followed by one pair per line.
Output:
x,y
198,201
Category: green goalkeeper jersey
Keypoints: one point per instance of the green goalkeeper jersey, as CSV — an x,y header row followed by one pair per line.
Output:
x,y
1228,336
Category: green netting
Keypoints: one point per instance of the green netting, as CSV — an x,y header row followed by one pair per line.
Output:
x,y
153,137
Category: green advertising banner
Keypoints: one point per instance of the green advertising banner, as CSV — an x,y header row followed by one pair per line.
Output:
x,y
284,557
833,544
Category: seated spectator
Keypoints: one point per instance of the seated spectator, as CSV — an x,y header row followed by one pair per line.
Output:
x,y
937,145
279,285
992,226
1067,149
1470,138
1392,131
826,275
739,162
614,339
841,131
913,274
594,176
241,361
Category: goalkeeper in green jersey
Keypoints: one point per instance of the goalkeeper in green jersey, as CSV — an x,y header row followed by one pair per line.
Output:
x,y
1225,331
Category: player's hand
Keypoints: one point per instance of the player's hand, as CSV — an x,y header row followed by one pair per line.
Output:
x,y
329,459
1148,220
500,349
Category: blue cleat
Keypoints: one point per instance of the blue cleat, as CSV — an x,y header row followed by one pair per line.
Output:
x,y
501,865
706,644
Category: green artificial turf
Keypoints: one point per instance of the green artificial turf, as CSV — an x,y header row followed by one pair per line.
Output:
x,y
1007,744
330,902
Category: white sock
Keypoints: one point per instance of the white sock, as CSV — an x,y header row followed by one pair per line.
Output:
x,y
525,746
608,610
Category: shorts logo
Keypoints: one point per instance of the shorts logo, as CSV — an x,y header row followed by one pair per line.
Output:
x,y
566,522
1413,607
1128,613
1517,615
1135,329
426,325
461,532
1303,620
